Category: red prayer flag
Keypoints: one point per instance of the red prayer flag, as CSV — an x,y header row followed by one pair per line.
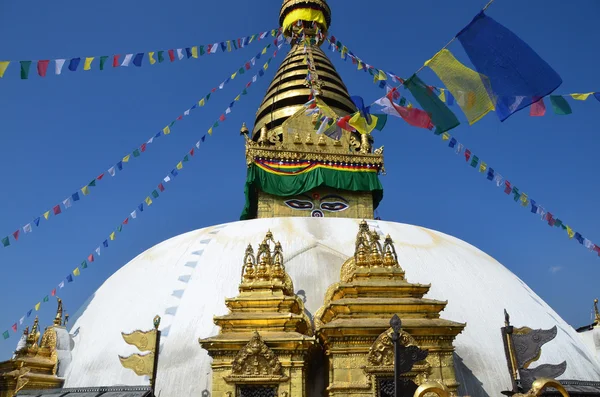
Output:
x,y
249,84
180,118
53,293
508,188
597,249
413,116
126,221
16,234
99,177
56,210
192,152
209,48
91,258
213,90
171,55
222,118
537,108
161,187
116,61
467,154
343,123
42,67
239,41
14,327
247,65
143,147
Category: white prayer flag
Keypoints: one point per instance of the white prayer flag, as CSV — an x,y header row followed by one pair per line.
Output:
x,y
21,320
61,285
263,35
588,244
253,61
67,202
134,215
214,48
59,63
459,148
186,113
499,181
323,126
198,144
111,171
180,53
27,228
127,60
167,179
254,78
228,111
221,85
98,251
150,140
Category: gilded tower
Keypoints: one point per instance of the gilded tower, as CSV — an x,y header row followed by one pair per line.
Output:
x,y
300,162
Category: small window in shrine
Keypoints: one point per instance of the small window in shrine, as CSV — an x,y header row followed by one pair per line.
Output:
x,y
257,391
385,387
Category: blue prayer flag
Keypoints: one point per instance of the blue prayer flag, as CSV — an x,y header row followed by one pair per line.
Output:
x,y
174,172
73,64
37,221
490,175
597,95
137,61
120,165
70,278
188,52
228,80
141,207
158,134
534,207
516,73
105,243
224,46
231,104
203,138
449,98
75,196
382,84
453,142
261,73
193,107
579,238
29,313
258,55
365,111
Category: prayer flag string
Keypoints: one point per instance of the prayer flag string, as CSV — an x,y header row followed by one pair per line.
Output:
x,y
137,59
138,210
120,165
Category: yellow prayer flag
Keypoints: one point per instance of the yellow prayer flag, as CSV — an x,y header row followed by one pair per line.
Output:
x,y
46,214
442,95
210,131
445,136
360,66
3,67
266,66
76,272
581,97
482,167
194,52
264,51
237,98
233,75
380,76
149,201
113,236
457,77
151,58
167,129
361,125
37,307
88,63
126,158
85,190
201,102
179,165
524,200
570,232
228,45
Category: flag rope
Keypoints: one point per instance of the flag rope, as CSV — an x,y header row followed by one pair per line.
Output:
x,y
147,202
119,166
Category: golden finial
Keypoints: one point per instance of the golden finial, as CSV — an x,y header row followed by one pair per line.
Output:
x,y
34,335
244,131
391,258
58,319
26,331
278,270
597,320
375,259
249,264
156,321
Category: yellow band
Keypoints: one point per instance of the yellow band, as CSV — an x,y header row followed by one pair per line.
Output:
x,y
304,14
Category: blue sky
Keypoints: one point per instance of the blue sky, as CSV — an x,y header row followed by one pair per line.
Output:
x,y
60,132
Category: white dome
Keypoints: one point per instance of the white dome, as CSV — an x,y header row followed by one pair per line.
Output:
x,y
186,279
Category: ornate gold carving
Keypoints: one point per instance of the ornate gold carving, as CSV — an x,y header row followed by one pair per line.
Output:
x,y
256,360
144,341
34,335
142,365
540,385
432,387
381,353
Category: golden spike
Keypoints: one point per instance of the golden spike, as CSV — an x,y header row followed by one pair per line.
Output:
x,y
249,264
142,365
144,341
244,130
58,321
34,335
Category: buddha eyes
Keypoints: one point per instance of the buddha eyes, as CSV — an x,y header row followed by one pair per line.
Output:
x,y
299,204
334,206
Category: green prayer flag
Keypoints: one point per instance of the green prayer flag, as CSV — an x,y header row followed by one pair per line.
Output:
x,y
25,65
171,125
560,105
216,124
120,228
84,265
103,61
402,102
6,241
516,194
208,96
5,335
234,45
161,58
474,161
381,121
371,72
186,159
154,194
244,92
242,70
558,223
46,299
202,50
136,153
442,117
92,183
564,227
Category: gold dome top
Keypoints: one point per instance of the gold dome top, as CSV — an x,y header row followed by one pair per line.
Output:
x,y
318,5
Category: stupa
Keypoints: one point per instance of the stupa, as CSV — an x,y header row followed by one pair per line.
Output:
x,y
295,300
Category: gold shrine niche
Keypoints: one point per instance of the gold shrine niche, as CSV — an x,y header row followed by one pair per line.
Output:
x,y
35,362
265,341
353,324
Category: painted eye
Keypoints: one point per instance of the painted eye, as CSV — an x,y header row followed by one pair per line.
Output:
x,y
334,206
299,204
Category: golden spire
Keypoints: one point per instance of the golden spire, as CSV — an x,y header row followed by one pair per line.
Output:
x,y
34,335
597,312
58,319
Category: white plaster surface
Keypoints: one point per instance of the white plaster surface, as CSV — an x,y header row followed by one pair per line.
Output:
x,y
186,279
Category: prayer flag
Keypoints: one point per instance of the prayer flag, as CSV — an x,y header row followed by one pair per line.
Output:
x,y
67,202
161,187
456,77
413,116
112,236
579,238
133,215
37,221
195,52
516,72
103,61
215,48
453,142
161,58
42,67
84,265
188,52
126,158
69,278
490,174
201,102
180,53
179,165
29,313
90,258
148,201
581,97
56,209
534,207
508,187
116,60
467,154
381,121
85,190
474,161
538,108
442,117
361,125
482,167
14,327
596,94
98,251
5,335
25,65
570,232
76,272
143,147
73,64
37,306
139,57
3,67
516,194
87,64
524,200
23,318
92,183
136,153
127,60
46,214
46,299
105,243
27,228
174,172
58,65
120,165
560,105
5,241
16,234
186,159
111,171
171,55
